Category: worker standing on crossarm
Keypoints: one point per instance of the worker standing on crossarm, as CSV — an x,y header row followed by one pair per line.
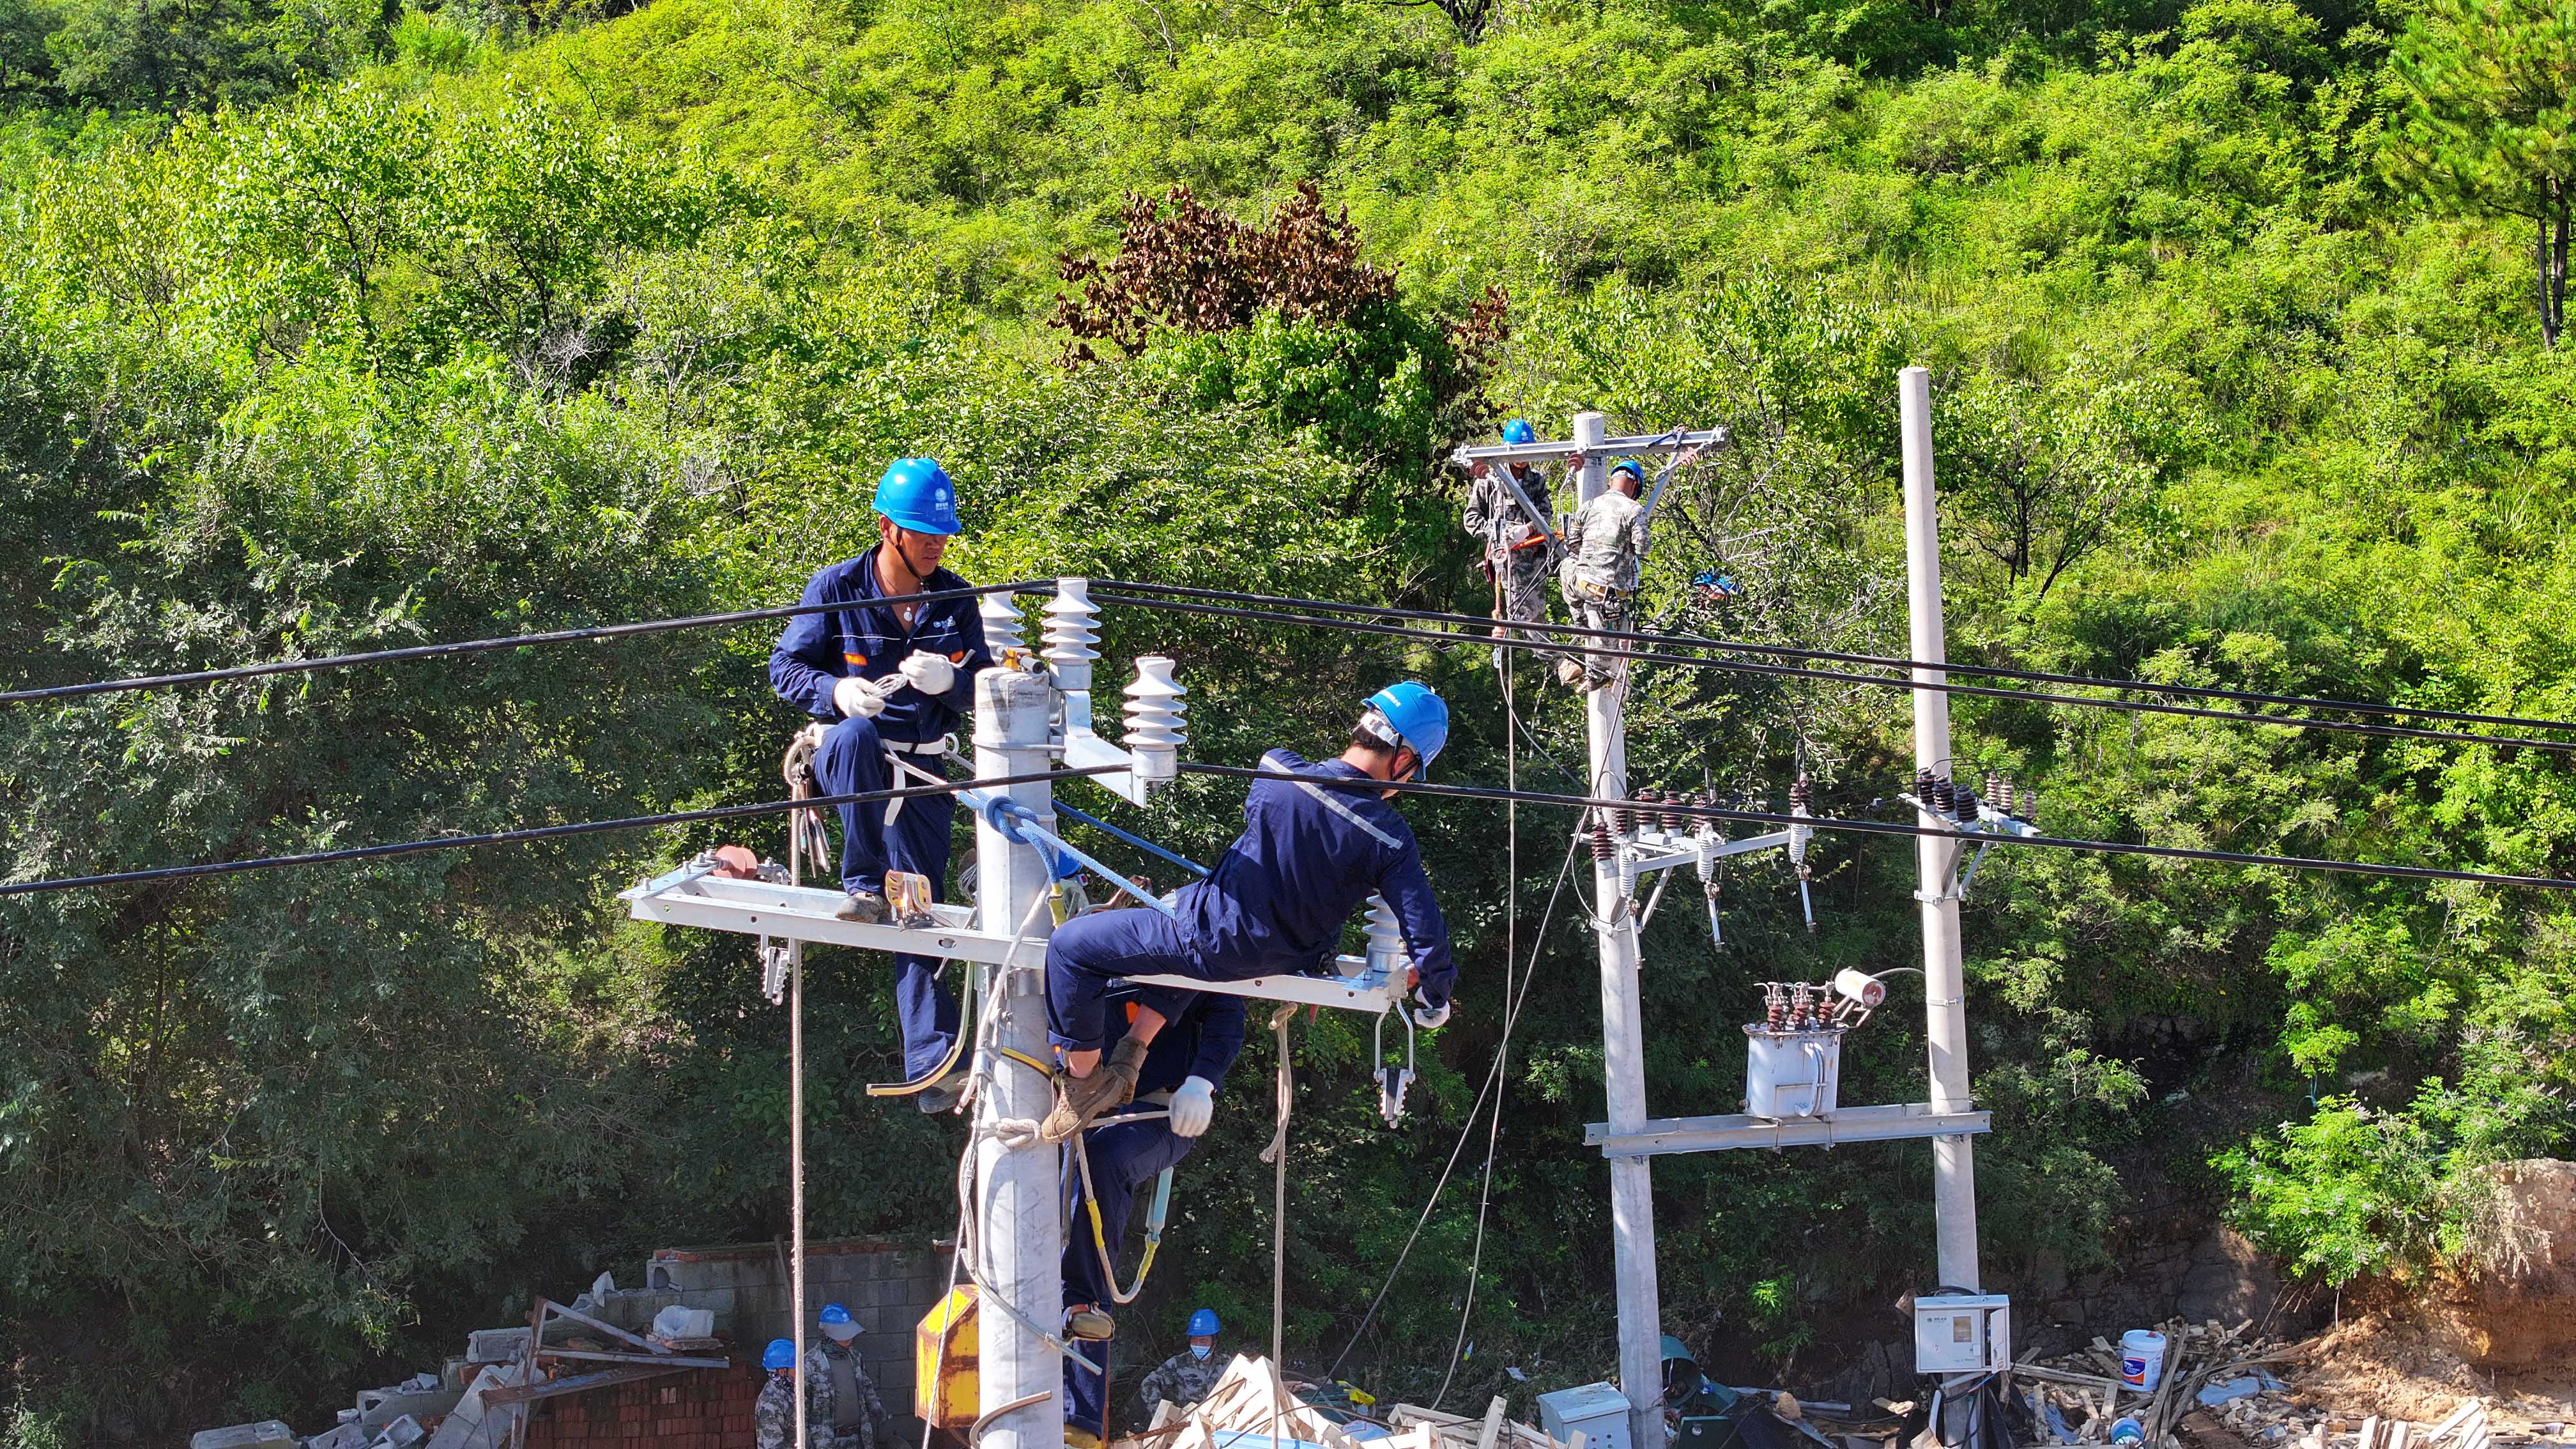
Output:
x,y
1178,1081
853,1416
1507,512
888,678
773,1414
1605,556
1187,1377
1318,839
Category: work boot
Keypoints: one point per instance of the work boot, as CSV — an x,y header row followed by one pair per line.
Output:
x,y
1569,672
1079,1099
865,907
1089,1324
1078,1438
941,1096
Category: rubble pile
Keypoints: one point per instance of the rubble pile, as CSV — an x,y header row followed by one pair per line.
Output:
x,y
2230,1387
1253,1403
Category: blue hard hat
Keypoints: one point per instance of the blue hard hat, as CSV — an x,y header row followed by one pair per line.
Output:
x,y
1517,431
836,1316
916,494
1416,715
1631,467
1203,1324
780,1354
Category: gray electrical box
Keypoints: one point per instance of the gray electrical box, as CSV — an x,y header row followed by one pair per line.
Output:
x,y
1599,1410
1962,1333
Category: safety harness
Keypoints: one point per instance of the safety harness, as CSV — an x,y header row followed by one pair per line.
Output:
x,y
1325,798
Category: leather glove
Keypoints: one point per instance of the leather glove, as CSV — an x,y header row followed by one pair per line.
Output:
x,y
857,698
1193,1107
1431,1018
928,672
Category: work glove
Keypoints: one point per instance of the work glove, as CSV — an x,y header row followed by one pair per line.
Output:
x,y
928,672
857,698
1431,1018
1193,1107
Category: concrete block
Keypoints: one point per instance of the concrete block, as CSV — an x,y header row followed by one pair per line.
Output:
x,y
266,1434
454,1374
402,1433
380,1407
344,1436
496,1345
474,1422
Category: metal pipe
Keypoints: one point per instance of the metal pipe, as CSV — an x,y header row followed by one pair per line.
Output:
x,y
1018,1186
1632,1200
1945,1009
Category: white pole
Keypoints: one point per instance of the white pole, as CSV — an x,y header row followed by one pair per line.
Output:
x,y
1945,991
1018,1190
1632,1187
796,1173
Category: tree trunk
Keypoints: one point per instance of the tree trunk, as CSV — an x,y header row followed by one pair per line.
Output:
x,y
2557,266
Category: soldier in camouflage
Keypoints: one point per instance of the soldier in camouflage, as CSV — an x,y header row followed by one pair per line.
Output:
x,y
847,1413
1186,1378
1605,544
773,1414
1520,551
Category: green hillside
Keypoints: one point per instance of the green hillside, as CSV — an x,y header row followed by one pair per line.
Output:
x,y
324,331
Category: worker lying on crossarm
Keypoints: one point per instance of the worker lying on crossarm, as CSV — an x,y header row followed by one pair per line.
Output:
x,y
887,677
1180,1075
1605,546
1317,841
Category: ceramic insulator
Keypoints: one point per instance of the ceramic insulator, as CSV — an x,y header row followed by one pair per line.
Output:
x,y
1072,628
1157,721
1001,623
1385,937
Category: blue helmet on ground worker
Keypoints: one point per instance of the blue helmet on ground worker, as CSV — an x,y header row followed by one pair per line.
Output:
x,y
1176,1089
1319,838
887,680
773,1414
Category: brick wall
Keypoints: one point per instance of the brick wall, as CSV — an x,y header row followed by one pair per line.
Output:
x,y
704,1409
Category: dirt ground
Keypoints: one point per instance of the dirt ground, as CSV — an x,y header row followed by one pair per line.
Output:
x,y
2418,1371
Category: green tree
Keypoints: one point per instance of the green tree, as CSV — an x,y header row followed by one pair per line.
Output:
x,y
2490,122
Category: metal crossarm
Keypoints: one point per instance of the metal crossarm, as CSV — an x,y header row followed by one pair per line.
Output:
x,y
1672,442
1894,1123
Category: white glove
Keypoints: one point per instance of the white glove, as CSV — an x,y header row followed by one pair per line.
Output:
x,y
928,672
857,698
1193,1107
1431,1018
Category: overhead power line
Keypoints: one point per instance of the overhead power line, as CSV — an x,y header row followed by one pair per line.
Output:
x,y
540,832
472,646
1790,671
1787,651
1883,827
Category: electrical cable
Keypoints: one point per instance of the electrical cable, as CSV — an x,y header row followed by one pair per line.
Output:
x,y
541,832
1883,827
1786,651
479,646
1786,671
1493,1077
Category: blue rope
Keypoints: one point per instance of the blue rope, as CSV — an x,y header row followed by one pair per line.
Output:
x,y
1138,841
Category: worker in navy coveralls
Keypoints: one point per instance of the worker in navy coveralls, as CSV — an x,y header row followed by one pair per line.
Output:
x,y
890,676
1181,1072
1317,841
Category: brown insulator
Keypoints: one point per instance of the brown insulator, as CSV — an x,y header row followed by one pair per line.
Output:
x,y
1800,795
1923,787
1647,799
1605,845
1675,822
1944,800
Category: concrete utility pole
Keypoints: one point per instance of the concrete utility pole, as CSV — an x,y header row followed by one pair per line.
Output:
x,y
1018,1188
1632,1184
1945,991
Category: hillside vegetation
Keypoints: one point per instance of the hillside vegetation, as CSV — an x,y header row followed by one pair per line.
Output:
x,y
325,331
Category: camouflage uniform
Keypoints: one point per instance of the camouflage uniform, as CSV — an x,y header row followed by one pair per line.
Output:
x,y
1518,555
1184,1379
861,1432
773,1415
1605,546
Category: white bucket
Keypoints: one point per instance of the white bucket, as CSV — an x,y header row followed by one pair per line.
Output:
x,y
2142,1359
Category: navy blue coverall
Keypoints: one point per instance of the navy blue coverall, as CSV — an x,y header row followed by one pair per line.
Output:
x,y
864,638
1317,840
1201,1042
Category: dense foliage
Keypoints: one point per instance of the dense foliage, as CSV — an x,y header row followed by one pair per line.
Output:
x,y
482,333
